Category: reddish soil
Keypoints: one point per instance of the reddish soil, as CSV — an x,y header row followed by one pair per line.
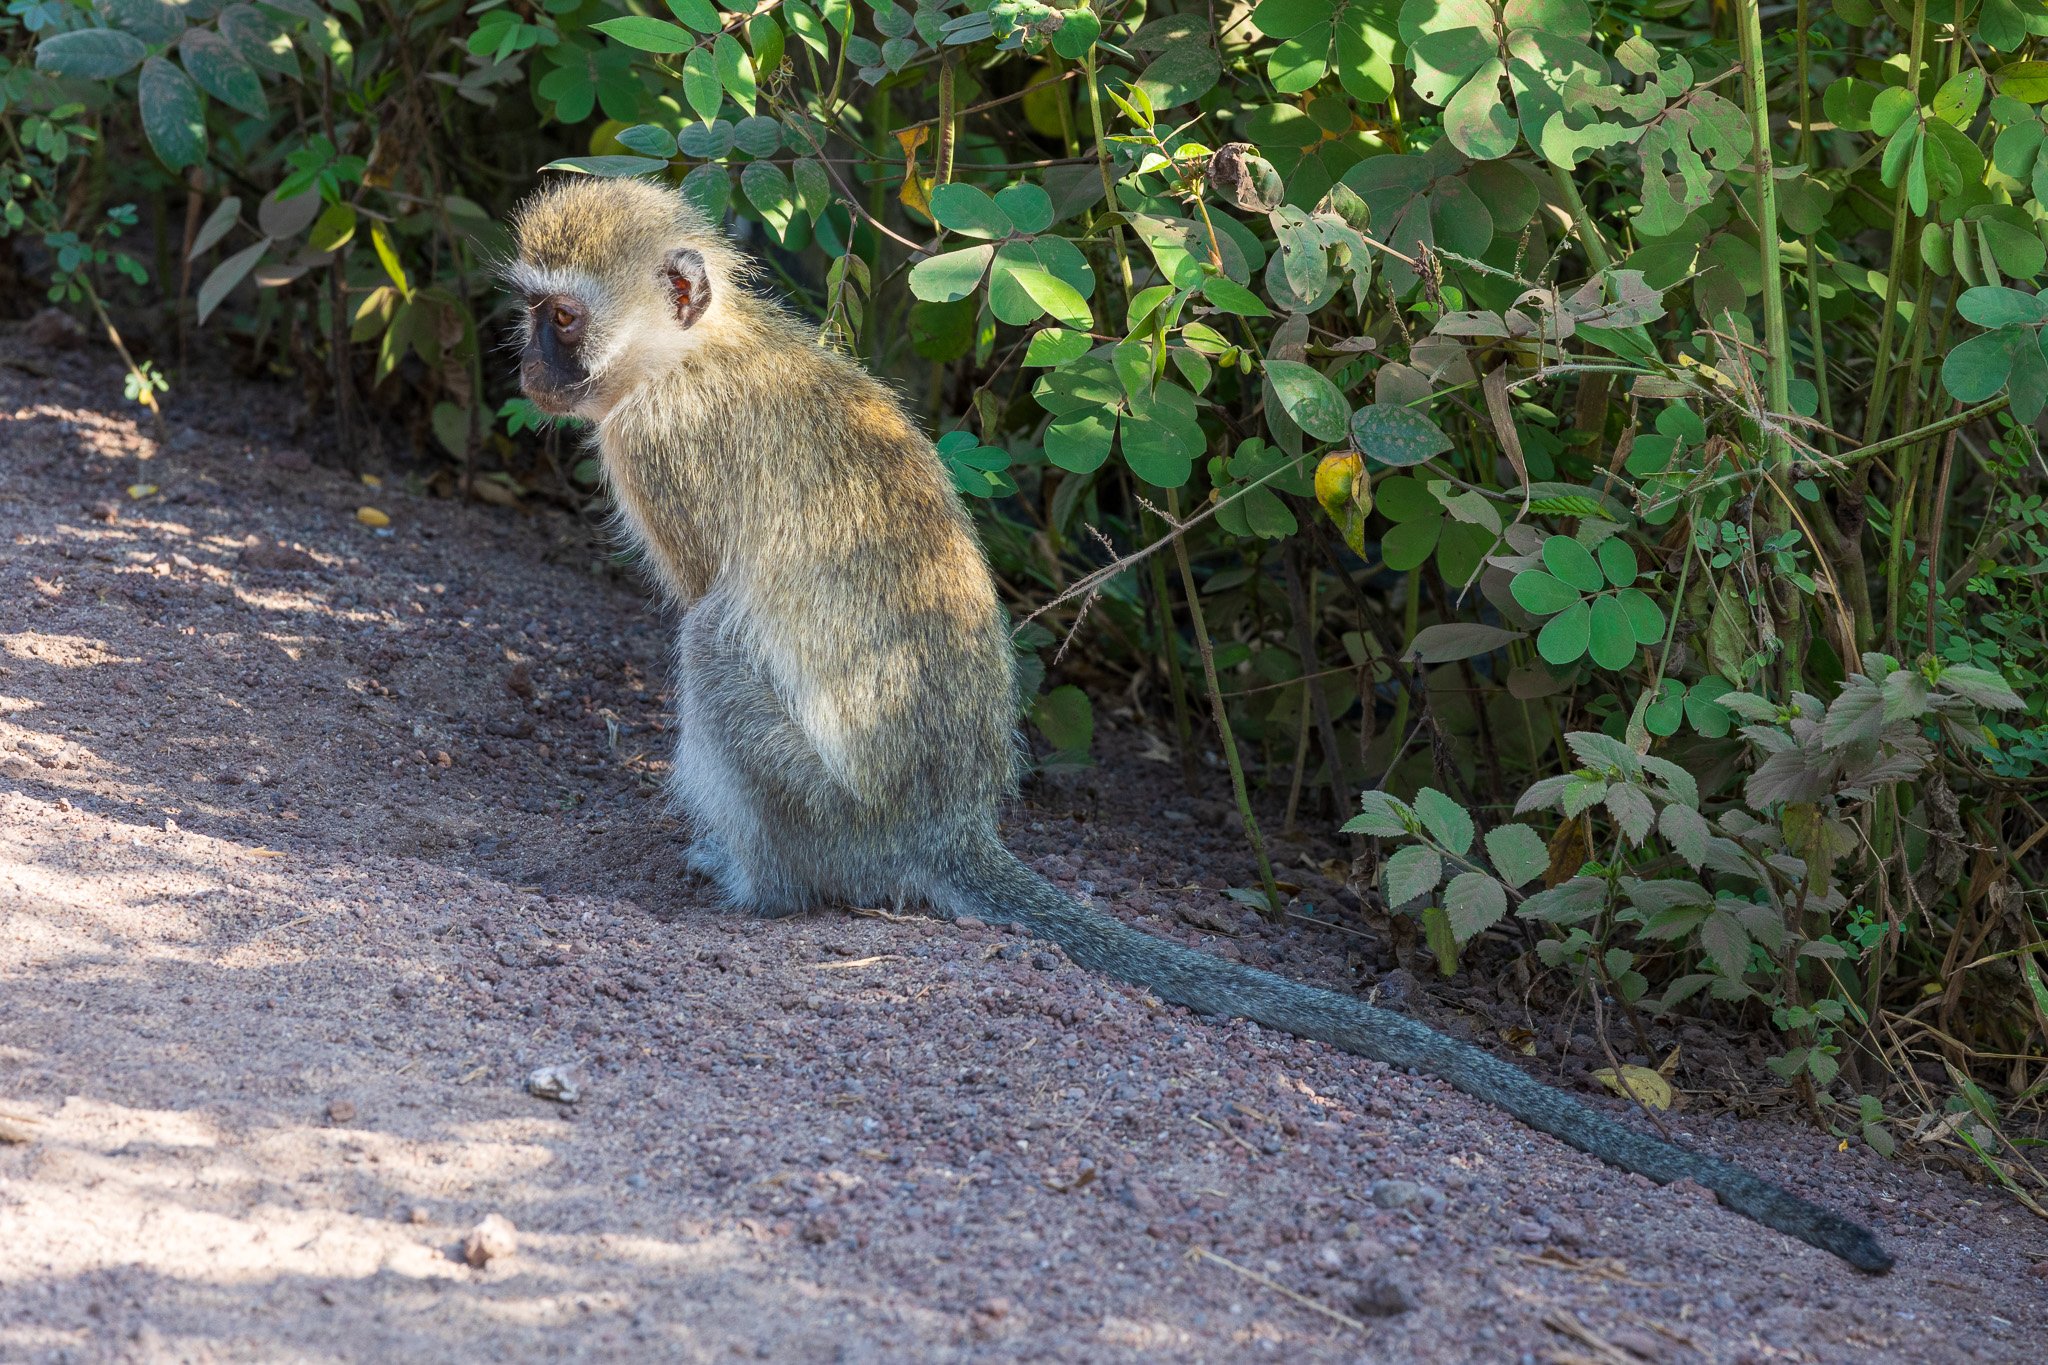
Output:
x,y
317,841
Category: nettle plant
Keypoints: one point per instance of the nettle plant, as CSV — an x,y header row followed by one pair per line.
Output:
x,y
1746,896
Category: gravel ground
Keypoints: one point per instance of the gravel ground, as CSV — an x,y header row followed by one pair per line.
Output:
x,y
316,842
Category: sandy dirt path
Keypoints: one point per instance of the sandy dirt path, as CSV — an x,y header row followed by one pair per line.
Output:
x,y
316,842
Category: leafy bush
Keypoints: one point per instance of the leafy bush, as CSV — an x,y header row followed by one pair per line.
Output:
x,y
1549,397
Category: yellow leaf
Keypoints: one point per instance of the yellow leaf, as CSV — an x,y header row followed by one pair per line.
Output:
x,y
1649,1087
1338,481
141,490
370,516
917,189
916,193
372,480
387,252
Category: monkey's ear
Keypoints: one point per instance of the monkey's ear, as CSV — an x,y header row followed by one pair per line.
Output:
x,y
689,284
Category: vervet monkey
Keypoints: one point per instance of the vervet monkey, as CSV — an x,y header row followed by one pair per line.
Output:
x,y
847,701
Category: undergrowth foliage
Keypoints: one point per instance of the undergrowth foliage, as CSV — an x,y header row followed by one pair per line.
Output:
x,y
1602,434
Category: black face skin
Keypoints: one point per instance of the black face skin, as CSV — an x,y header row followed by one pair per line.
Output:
x,y
551,372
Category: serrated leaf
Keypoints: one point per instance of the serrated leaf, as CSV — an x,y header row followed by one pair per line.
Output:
x,y
1446,820
1981,686
1475,903
1411,874
1633,814
1517,853
1380,815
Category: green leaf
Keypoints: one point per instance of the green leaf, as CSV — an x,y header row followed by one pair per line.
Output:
x,y
1707,715
1309,398
1080,442
1645,617
92,54
709,187
1231,297
955,275
1517,853
1980,366
1565,638
1455,640
608,167
735,70
706,141
969,211
813,187
1066,718
647,35
220,71
1396,435
1409,544
1957,100
1411,874
1617,561
1380,815
1996,306
1982,686
1057,346
1540,593
768,190
1612,639
1446,820
1666,711
1077,34
1475,903
222,279
1187,70
1573,564
173,117
333,228
1687,830
1890,110
1028,207
2024,81
698,14
2017,250
1440,938
701,86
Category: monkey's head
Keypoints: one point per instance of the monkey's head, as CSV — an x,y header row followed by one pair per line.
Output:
x,y
618,279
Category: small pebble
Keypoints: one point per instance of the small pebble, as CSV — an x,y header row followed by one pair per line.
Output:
x,y
1383,1294
562,1084
490,1240
341,1111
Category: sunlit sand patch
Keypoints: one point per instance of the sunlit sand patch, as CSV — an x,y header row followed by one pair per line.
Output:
x,y
66,651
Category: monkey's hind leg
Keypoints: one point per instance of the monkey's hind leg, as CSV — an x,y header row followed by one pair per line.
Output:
x,y
728,716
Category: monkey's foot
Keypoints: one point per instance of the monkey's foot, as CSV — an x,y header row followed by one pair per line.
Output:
x,y
737,886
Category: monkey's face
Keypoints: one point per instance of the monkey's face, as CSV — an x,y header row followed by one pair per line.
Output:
x,y
589,340
551,368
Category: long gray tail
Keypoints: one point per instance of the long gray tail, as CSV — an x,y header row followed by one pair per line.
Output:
x,y
998,888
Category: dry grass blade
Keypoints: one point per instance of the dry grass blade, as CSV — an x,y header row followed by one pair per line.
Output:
x,y
1203,1253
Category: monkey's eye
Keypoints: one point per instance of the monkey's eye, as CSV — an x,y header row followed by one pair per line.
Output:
x,y
563,318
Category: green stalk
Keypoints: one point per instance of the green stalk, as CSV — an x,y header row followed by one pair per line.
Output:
x,y
1820,358
1873,417
1777,350
1237,784
1582,222
1168,637
1116,234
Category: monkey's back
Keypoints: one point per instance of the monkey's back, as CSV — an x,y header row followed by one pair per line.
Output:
x,y
787,482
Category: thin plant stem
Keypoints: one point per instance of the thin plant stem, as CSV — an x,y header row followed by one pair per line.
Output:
x,y
1216,703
